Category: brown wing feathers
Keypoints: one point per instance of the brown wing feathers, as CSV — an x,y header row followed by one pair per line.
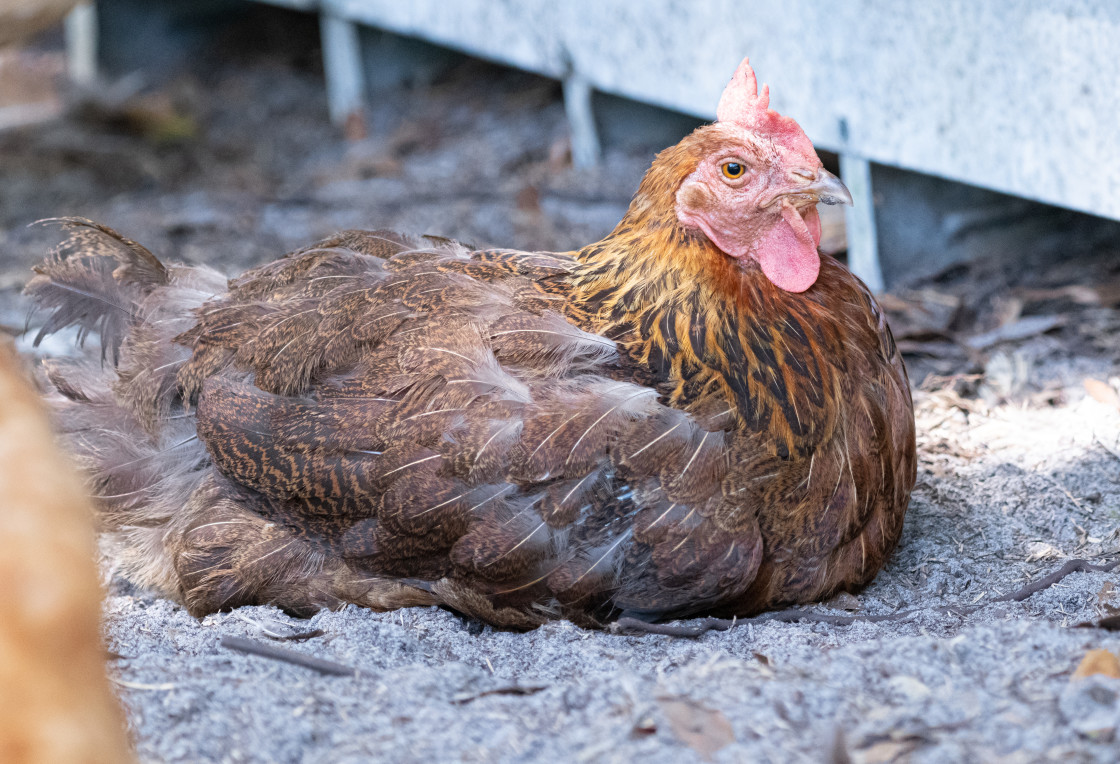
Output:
x,y
472,442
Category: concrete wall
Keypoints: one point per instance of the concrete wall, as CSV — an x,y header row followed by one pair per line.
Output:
x,y
1018,96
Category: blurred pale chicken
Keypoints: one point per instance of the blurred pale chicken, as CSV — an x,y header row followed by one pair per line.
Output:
x,y
55,702
21,19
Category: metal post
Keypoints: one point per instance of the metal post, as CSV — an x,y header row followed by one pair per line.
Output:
x,y
859,220
581,121
81,44
342,64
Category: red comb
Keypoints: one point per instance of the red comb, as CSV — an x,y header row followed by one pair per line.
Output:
x,y
744,105
741,101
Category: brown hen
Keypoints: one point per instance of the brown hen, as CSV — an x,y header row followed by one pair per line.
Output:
x,y
697,414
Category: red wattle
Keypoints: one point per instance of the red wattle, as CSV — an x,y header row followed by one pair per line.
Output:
x,y
813,223
788,251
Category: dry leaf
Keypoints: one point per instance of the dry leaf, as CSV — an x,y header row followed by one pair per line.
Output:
x,y
703,729
912,687
1108,623
1104,598
1098,662
922,314
1109,294
529,199
1006,374
1040,550
839,752
1102,392
1008,310
887,751
844,601
354,127
1019,330
1079,293
560,154
1106,294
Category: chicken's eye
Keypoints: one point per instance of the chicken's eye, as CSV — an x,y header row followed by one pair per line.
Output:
x,y
733,170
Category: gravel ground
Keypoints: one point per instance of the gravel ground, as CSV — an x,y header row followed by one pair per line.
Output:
x,y
1019,470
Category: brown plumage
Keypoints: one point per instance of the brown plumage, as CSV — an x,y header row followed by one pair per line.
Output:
x,y
650,425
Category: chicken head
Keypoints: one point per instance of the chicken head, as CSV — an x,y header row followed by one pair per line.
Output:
x,y
755,196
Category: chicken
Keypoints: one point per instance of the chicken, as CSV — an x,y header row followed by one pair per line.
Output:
x,y
55,702
697,414
22,19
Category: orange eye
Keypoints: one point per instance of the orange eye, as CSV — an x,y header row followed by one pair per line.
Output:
x,y
733,170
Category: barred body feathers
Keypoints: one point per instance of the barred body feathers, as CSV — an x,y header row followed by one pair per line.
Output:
x,y
657,425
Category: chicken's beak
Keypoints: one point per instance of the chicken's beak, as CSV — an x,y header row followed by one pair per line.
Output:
x,y
827,188
823,187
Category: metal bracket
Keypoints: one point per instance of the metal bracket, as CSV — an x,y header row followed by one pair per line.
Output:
x,y
859,220
81,44
342,65
581,121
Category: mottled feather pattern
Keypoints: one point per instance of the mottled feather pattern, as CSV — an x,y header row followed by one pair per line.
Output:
x,y
642,427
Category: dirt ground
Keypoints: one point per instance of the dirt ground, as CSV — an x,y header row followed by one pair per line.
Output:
x,y
1015,365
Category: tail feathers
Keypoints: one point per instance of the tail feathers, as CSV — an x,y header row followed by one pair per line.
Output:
x,y
83,294
95,280
125,425
135,263
139,481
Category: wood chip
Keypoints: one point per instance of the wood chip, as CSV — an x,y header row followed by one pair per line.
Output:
x,y
922,315
1106,593
1102,392
703,729
1097,662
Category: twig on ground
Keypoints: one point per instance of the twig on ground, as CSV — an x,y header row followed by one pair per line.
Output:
x,y
793,615
243,645
1072,566
141,685
460,700
697,628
